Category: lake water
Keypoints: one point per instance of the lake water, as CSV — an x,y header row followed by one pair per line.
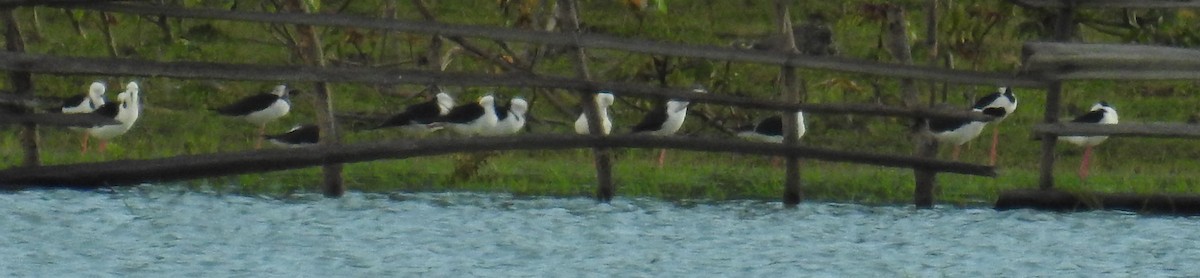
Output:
x,y
170,232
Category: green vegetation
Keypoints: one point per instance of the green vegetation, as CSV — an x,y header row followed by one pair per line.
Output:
x,y
985,35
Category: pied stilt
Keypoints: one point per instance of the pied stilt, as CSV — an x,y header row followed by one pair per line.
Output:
x,y
510,118
958,132
260,109
86,103
770,130
665,120
298,136
125,110
1100,113
471,118
1004,99
417,118
604,99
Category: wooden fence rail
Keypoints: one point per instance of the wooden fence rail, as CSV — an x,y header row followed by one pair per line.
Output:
x,y
129,67
589,41
1115,4
1073,61
118,172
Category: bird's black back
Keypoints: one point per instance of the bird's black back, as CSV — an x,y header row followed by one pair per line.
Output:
x,y
108,110
248,105
985,100
421,113
463,113
771,126
1091,117
653,120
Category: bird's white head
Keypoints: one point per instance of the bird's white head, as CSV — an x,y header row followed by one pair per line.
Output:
x,y
97,89
279,90
1110,113
132,86
444,102
605,99
518,106
487,101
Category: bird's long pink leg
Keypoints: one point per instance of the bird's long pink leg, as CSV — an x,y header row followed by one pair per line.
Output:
x,y
103,146
662,155
995,140
1083,166
84,145
262,130
954,155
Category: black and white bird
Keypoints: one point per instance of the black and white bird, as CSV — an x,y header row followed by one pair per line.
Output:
x,y
260,109
472,118
770,130
1100,113
298,136
417,119
958,132
604,99
86,103
125,111
510,118
1004,99
665,120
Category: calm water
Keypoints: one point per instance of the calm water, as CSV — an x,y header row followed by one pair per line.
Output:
x,y
164,232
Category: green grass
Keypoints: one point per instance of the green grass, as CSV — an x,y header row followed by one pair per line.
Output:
x,y
176,121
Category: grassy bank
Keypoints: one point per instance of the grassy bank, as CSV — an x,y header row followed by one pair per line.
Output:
x,y
177,120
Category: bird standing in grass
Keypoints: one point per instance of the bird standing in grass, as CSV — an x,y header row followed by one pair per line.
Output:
x,y
665,120
260,109
86,103
1003,99
1100,113
472,118
604,99
770,130
417,118
510,118
298,136
125,111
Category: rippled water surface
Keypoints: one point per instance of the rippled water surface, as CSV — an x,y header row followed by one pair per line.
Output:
x,y
163,232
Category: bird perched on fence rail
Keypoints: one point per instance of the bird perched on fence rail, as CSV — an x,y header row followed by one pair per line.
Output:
x,y
510,118
1100,113
770,130
1005,100
298,136
417,119
86,103
470,119
260,109
125,111
958,132
604,99
665,120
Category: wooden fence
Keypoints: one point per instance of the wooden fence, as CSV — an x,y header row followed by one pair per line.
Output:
x,y
172,168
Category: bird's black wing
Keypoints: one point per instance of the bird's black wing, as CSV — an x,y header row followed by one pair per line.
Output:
x,y
1091,117
985,100
771,126
248,105
306,134
653,120
463,114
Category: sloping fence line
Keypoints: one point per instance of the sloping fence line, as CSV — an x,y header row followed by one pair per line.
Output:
x,y
35,63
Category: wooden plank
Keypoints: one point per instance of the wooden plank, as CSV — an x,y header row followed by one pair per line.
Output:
x,y
1073,61
1111,4
297,73
79,120
1158,130
589,41
789,92
122,172
602,157
1056,200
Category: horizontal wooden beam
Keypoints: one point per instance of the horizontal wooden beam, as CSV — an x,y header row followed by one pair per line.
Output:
x,y
1160,130
46,64
589,41
122,172
1056,200
1111,4
1073,61
79,120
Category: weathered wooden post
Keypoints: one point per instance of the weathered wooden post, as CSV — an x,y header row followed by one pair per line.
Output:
x,y
603,157
22,83
791,94
1063,30
898,45
310,51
